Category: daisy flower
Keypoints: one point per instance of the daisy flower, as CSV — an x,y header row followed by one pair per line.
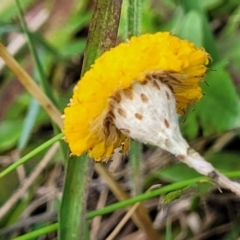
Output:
x,y
134,91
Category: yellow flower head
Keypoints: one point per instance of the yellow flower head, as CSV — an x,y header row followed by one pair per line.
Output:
x,y
88,121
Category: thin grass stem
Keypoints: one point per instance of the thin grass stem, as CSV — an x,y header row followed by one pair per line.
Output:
x,y
31,154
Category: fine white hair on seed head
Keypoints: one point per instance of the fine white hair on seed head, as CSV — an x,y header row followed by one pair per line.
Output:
x,y
147,113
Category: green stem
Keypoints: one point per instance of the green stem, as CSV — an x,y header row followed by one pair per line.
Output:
x,y
39,232
28,156
134,25
103,30
134,17
135,167
102,36
72,212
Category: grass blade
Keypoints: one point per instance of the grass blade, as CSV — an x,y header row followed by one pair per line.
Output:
x,y
31,86
39,232
28,124
31,154
42,77
134,15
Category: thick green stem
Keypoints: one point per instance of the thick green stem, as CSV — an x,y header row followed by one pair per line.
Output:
x,y
102,36
73,208
103,30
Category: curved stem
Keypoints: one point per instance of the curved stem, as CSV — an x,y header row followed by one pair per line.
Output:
x,y
194,160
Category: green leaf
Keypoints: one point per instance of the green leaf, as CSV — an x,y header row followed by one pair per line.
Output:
x,y
189,125
225,161
8,9
175,173
170,197
20,105
192,28
10,132
209,40
28,124
219,109
73,48
75,23
210,4
6,27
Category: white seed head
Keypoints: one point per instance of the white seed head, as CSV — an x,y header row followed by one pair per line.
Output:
x,y
147,112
